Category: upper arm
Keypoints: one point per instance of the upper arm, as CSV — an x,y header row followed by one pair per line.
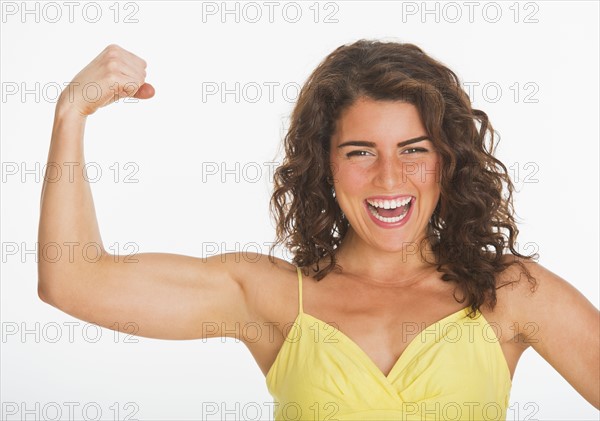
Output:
x,y
158,295
563,326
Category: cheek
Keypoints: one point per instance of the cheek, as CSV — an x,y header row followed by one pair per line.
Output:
x,y
428,173
350,177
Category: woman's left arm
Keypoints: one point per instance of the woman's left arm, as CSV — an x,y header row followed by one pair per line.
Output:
x,y
564,328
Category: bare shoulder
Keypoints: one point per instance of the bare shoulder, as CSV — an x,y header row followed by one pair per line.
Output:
x,y
526,292
270,289
536,297
513,284
269,283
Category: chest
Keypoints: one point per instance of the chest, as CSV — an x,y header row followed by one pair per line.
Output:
x,y
381,322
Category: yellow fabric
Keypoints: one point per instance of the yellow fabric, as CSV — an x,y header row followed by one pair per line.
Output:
x,y
453,370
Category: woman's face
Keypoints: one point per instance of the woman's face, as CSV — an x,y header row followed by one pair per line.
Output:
x,y
381,158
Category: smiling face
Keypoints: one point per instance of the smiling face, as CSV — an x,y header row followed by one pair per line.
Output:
x,y
381,158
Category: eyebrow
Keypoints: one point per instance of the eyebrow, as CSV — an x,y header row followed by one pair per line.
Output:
x,y
373,144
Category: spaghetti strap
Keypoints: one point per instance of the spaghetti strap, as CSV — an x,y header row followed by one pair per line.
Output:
x,y
300,309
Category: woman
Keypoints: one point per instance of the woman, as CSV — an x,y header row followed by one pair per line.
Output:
x,y
399,303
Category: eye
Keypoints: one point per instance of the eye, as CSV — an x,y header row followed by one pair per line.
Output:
x,y
356,153
415,149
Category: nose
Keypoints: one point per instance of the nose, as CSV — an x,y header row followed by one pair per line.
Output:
x,y
388,172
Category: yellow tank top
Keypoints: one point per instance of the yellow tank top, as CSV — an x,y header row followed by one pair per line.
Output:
x,y
452,370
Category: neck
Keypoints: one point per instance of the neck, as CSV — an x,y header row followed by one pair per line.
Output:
x,y
399,268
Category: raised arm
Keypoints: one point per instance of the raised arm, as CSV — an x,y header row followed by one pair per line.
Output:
x,y
149,294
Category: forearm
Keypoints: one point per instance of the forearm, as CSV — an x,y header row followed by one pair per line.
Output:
x,y
68,236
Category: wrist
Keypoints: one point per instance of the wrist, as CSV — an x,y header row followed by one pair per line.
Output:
x,y
68,110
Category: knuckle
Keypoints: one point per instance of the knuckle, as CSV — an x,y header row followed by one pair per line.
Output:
x,y
113,51
112,66
111,55
113,47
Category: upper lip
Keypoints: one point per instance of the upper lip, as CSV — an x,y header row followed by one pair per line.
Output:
x,y
401,196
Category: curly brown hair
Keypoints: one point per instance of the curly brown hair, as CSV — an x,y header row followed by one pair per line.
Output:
x,y
465,228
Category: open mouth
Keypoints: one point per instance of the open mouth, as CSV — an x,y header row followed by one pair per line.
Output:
x,y
389,211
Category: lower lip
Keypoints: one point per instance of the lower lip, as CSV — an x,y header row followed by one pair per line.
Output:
x,y
391,224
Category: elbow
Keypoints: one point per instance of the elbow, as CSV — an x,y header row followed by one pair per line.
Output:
x,y
43,283
42,291
42,280
47,292
49,296
67,287
52,284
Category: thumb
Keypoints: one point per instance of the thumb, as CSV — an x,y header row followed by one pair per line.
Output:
x,y
146,91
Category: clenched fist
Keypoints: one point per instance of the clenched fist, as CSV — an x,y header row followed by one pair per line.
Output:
x,y
115,73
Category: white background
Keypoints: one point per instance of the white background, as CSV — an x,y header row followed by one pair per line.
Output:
x,y
552,139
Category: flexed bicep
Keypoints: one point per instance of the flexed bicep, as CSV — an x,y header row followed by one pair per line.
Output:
x,y
156,295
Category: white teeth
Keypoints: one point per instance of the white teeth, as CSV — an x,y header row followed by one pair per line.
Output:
x,y
388,220
389,204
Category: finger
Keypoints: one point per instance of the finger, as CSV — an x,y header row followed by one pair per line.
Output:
x,y
127,59
135,60
146,91
129,68
132,76
128,78
134,66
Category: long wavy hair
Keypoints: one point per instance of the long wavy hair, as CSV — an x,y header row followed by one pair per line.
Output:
x,y
466,228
